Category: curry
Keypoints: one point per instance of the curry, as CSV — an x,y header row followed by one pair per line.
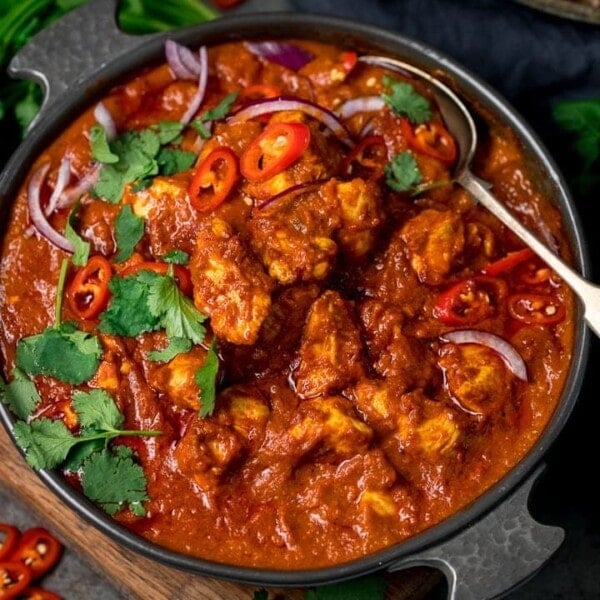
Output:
x,y
245,310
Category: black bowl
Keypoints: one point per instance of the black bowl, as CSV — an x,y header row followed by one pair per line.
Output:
x,y
489,546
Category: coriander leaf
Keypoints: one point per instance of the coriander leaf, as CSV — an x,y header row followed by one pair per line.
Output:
x,y
110,184
405,101
45,442
82,248
403,172
83,450
129,229
369,587
176,257
127,314
581,120
168,131
112,479
206,377
62,352
218,112
177,345
99,146
20,395
97,410
172,160
177,313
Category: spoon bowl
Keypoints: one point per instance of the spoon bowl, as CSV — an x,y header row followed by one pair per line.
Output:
x,y
461,125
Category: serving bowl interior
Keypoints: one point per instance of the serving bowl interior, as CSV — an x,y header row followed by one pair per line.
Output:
x,y
365,39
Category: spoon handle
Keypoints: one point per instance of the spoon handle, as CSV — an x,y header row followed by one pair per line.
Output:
x,y
588,293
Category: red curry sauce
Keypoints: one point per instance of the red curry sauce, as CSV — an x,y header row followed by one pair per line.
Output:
x,y
344,420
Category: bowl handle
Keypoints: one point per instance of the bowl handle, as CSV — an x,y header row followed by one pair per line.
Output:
x,y
60,56
496,554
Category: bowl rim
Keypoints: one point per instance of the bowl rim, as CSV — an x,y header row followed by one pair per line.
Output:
x,y
296,25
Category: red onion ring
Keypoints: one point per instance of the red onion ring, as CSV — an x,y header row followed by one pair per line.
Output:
x,y
270,105
85,184
182,61
281,53
292,191
105,119
62,179
36,214
360,104
201,91
506,350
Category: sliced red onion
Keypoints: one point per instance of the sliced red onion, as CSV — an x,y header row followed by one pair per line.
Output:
x,y
105,119
506,350
270,105
360,104
295,190
201,91
182,61
84,185
36,213
62,179
282,53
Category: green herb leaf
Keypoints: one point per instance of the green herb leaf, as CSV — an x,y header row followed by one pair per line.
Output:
x,y
370,587
45,442
99,146
177,314
127,313
403,172
177,345
168,131
218,112
206,378
173,160
176,257
97,410
113,480
405,101
581,120
129,229
20,395
82,248
62,352
261,594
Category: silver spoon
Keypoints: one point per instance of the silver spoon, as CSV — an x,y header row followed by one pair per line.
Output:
x,y
460,123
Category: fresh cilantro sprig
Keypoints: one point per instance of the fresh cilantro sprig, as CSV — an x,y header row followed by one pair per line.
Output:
x,y
403,173
214,114
177,345
177,257
147,301
82,248
61,351
136,157
206,378
129,230
20,394
405,101
109,476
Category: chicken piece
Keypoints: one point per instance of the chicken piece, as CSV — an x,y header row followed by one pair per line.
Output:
x,y
328,426
331,349
433,436
177,378
393,353
245,411
392,279
96,224
434,240
229,285
293,237
476,376
281,330
171,221
205,452
360,210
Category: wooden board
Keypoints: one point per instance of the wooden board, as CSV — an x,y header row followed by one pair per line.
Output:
x,y
137,577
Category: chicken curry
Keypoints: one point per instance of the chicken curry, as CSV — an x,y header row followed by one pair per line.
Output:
x,y
245,310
